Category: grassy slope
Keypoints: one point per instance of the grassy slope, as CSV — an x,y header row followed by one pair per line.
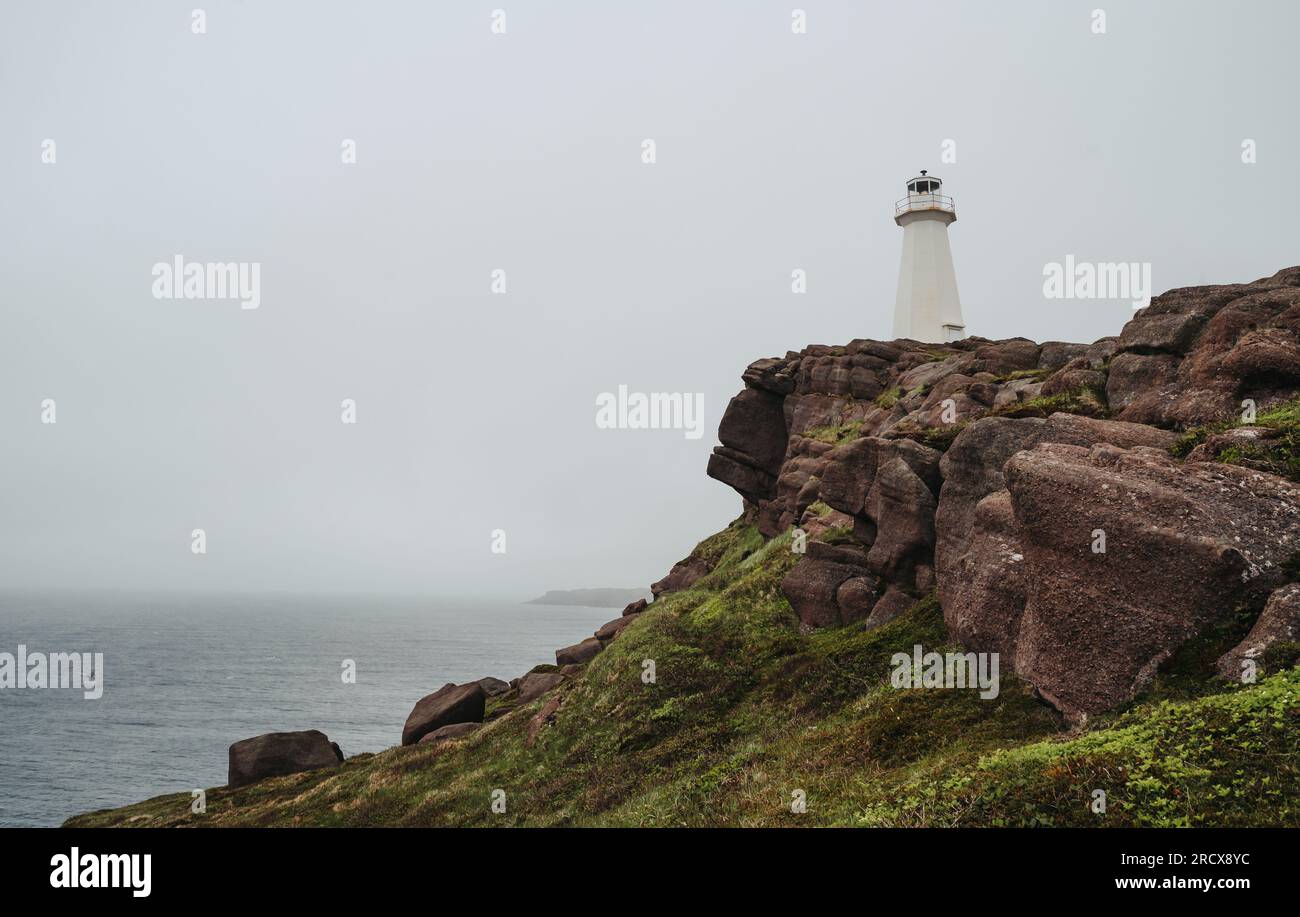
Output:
x,y
746,710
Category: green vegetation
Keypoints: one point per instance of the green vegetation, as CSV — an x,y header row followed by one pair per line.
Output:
x,y
1277,453
1227,760
745,709
887,399
1083,400
941,437
1041,373
835,434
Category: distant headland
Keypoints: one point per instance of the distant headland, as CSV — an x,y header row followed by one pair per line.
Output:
x,y
591,598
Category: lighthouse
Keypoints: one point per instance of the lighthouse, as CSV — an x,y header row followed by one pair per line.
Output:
x,y
926,308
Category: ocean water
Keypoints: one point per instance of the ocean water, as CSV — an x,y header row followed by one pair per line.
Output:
x,y
187,675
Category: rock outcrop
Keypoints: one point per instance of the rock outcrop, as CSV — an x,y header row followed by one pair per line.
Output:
x,y
278,753
1195,353
994,470
1096,564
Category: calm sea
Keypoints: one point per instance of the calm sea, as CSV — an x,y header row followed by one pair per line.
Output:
x,y
187,675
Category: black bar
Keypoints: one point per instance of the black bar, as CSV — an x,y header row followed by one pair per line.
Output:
x,y
548,866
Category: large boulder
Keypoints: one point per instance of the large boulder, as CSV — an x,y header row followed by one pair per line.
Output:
x,y
579,652
493,686
754,424
902,508
824,577
851,469
278,753
535,684
449,704
754,435
1184,546
1002,357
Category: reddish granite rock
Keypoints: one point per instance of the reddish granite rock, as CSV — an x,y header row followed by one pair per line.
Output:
x,y
1196,352
579,652
535,684
1185,545
278,753
449,704
493,686
812,587
611,629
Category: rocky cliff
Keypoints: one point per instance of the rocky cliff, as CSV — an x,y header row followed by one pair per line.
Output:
x,y
1118,521
1034,485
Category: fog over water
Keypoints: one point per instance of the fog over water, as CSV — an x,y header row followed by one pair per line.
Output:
x,y
522,152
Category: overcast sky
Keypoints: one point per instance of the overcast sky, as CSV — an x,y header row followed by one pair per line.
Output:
x,y
523,152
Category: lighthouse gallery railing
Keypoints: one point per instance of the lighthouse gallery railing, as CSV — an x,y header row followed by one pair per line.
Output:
x,y
924,202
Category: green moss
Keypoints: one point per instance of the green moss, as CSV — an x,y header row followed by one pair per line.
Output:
x,y
941,437
729,547
1279,455
1281,416
1230,759
887,399
835,434
1025,374
838,534
1184,444
1083,400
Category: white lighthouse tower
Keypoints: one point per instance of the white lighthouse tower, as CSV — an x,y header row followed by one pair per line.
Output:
x,y
927,308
